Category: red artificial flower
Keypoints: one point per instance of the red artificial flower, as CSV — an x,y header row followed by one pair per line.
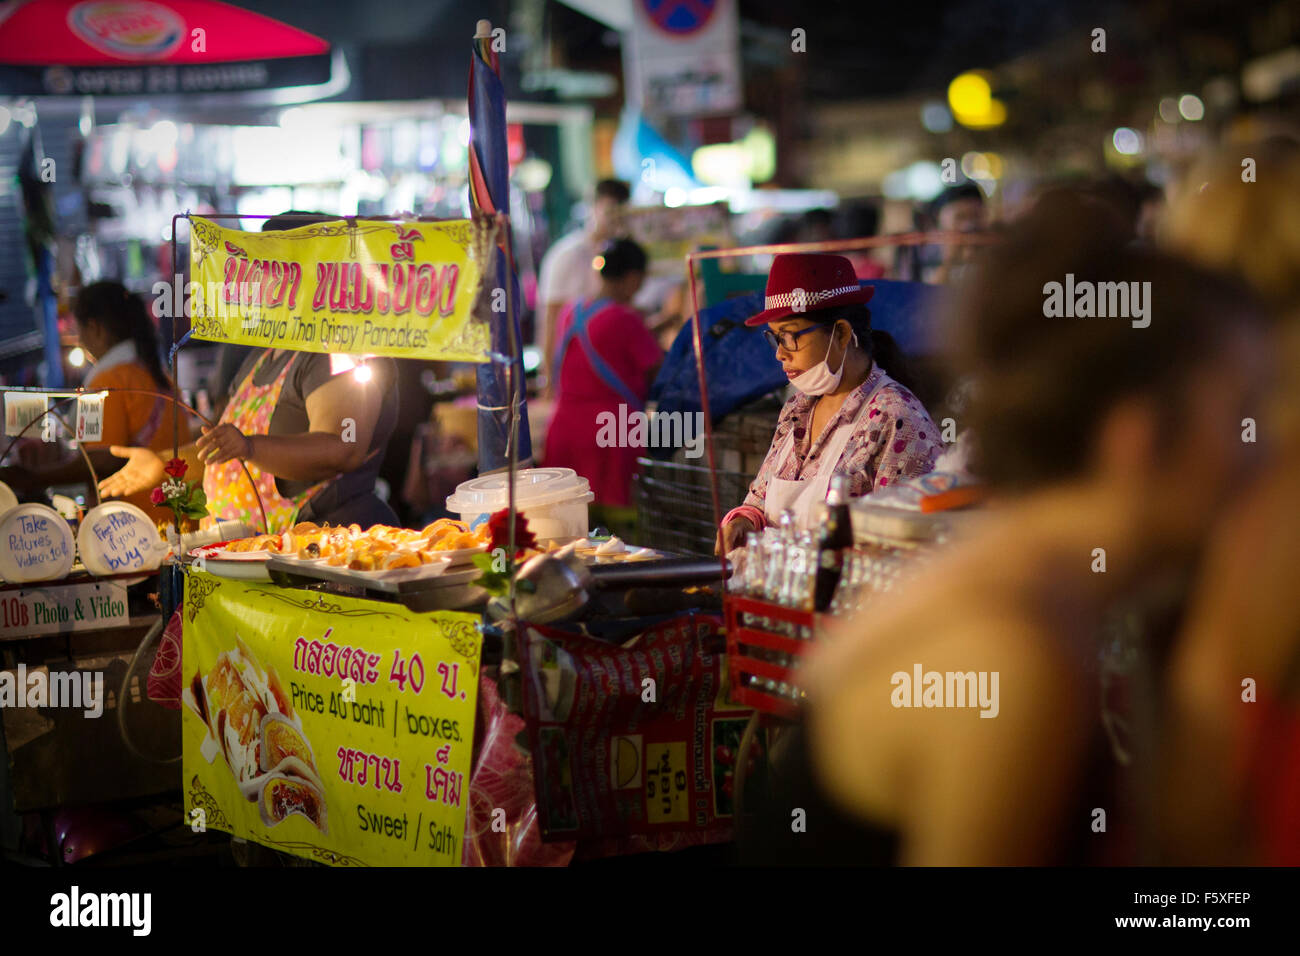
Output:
x,y
176,467
157,496
499,526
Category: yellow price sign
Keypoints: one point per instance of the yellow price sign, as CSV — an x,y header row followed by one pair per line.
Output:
x,y
328,727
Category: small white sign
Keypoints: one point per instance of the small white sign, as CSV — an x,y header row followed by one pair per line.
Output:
x,y
58,610
21,410
36,544
90,417
684,57
117,537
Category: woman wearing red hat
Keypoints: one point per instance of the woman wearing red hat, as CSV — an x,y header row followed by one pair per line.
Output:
x,y
850,417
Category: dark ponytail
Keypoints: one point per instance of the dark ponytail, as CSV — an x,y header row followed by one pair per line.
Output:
x,y
125,317
619,257
886,353
879,345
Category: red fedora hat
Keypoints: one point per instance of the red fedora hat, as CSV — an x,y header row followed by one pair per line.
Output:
x,y
801,282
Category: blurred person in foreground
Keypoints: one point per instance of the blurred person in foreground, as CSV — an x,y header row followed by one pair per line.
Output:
x,y
606,358
1092,434
1233,772
566,274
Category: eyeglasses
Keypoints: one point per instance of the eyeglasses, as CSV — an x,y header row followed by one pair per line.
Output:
x,y
788,340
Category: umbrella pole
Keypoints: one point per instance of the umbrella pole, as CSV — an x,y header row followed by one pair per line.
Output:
x,y
512,384
483,37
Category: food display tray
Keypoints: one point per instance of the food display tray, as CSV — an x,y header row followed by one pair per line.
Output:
x,y
398,581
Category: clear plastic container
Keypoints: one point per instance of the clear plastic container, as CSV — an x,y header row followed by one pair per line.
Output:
x,y
553,500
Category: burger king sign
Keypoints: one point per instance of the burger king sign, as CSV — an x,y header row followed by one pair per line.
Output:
x,y
128,29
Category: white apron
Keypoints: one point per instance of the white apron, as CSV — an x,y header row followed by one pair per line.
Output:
x,y
803,496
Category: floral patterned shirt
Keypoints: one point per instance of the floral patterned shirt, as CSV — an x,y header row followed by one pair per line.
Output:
x,y
896,440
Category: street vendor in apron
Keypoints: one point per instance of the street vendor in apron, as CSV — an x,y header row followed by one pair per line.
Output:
x,y
311,428
850,415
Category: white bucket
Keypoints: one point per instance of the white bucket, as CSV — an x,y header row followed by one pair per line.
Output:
x,y
553,500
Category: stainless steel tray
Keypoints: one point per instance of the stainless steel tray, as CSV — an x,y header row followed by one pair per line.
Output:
x,y
400,581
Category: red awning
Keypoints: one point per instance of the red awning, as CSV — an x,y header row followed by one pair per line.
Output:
x,y
143,47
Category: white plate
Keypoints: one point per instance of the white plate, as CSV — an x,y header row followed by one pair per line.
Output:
x,y
41,537
218,552
630,556
116,537
459,556
240,570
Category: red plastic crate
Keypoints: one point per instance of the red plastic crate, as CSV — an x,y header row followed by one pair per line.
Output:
x,y
740,664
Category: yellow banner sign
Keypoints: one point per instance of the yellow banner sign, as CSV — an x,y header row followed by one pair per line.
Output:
x,y
328,727
360,287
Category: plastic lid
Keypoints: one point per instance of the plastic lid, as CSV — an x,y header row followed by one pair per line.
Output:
x,y
36,544
117,537
534,487
7,498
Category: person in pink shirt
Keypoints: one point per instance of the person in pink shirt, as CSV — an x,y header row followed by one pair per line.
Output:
x,y
606,358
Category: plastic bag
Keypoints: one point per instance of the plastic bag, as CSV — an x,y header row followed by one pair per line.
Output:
x,y
502,779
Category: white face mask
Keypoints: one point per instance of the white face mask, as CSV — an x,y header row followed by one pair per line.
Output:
x,y
820,380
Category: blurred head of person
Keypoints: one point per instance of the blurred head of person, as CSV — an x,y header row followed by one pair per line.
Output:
x,y
861,219
1148,419
1150,208
817,225
607,209
108,313
842,337
1245,219
959,209
1244,223
622,265
294,219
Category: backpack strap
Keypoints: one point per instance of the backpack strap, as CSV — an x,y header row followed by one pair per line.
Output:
x,y
582,313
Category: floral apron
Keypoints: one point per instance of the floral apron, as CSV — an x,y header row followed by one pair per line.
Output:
x,y
229,495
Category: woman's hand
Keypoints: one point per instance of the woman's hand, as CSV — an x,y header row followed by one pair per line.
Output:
x,y
223,443
143,470
732,535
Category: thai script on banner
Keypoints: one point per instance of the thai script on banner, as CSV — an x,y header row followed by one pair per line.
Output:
x,y
336,729
355,286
